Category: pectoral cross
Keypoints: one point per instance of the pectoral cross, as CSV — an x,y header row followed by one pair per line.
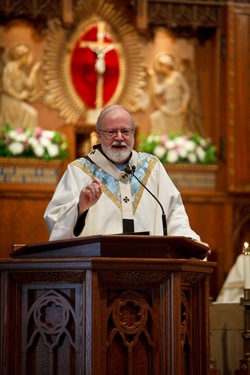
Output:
x,y
100,48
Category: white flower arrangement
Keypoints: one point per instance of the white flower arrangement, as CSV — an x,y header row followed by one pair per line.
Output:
x,y
179,148
37,143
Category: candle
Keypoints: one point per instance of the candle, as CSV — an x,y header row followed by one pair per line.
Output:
x,y
246,252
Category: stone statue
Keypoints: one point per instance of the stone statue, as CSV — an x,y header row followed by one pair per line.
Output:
x,y
18,89
171,96
194,117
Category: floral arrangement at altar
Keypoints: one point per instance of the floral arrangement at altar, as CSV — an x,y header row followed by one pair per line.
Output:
x,y
179,148
33,143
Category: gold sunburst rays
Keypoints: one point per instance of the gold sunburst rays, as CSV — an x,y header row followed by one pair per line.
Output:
x,y
58,94
60,91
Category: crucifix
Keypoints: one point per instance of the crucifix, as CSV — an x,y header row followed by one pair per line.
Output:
x,y
100,48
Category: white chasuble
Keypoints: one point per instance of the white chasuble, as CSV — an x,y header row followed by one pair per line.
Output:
x,y
123,197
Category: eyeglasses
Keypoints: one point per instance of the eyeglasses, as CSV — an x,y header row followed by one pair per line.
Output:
x,y
109,134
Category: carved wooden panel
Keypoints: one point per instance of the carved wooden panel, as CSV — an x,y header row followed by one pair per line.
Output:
x,y
175,14
45,323
137,324
31,9
41,8
104,317
132,333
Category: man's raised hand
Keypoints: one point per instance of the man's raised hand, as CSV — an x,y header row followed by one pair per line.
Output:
x,y
89,195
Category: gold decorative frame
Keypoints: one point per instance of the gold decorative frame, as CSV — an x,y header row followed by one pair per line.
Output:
x,y
60,92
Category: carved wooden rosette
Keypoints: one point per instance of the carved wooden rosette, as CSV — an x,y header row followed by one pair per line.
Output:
x,y
51,319
61,92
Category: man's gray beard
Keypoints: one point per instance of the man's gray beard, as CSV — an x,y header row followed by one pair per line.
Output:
x,y
118,156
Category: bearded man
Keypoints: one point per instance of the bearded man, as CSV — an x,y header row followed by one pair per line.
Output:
x,y
98,195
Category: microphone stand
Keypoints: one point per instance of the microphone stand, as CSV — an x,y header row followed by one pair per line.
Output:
x,y
131,171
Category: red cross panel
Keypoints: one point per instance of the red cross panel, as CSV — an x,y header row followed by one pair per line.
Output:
x,y
83,73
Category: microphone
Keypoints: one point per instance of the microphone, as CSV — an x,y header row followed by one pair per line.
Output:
x,y
131,171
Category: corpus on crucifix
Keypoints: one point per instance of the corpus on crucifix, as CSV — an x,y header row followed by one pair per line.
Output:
x,y
100,47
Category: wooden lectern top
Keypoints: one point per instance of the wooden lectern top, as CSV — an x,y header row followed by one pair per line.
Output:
x,y
120,246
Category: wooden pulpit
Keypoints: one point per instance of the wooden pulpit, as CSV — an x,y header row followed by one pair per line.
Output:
x,y
106,305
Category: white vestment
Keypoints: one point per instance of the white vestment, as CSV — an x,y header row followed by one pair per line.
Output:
x,y
233,287
122,197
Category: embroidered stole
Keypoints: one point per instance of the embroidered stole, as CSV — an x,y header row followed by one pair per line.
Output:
x,y
124,184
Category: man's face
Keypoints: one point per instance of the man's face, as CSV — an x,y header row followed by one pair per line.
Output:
x,y
117,136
